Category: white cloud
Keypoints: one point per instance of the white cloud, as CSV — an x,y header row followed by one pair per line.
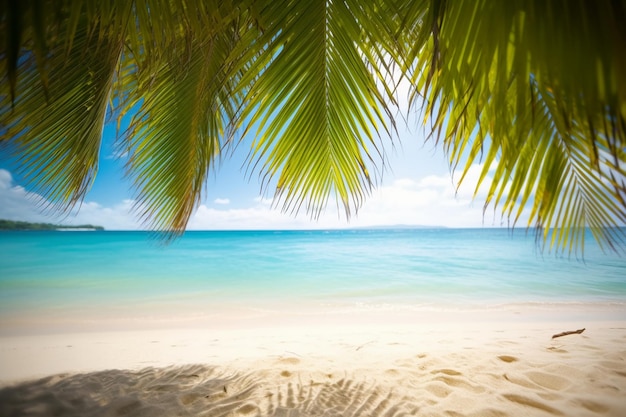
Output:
x,y
259,216
431,201
264,201
118,217
18,204
428,201
436,181
5,179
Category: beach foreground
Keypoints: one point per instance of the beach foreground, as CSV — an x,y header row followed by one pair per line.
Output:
x,y
445,368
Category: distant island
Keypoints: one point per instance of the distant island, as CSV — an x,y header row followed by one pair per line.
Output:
x,y
17,225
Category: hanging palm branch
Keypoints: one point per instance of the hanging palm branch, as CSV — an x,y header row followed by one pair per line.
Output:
x,y
59,68
534,89
179,91
312,92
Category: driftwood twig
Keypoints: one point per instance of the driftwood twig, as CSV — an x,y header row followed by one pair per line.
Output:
x,y
579,331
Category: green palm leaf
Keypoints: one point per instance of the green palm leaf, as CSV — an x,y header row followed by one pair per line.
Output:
x,y
182,106
311,90
533,88
53,123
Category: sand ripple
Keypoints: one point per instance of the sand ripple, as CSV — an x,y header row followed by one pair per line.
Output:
x,y
417,387
504,376
196,391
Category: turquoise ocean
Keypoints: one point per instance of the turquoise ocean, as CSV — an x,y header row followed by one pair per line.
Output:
x,y
56,273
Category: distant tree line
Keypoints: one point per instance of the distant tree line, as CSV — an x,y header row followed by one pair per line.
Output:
x,y
17,225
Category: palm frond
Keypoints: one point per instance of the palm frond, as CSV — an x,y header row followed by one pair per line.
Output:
x,y
316,103
182,107
534,88
52,114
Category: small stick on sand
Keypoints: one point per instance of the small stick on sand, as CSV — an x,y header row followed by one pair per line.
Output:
x,y
579,331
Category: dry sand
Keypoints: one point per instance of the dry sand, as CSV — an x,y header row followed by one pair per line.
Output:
x,y
362,367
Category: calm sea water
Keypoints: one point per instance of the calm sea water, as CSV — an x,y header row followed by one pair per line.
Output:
x,y
49,271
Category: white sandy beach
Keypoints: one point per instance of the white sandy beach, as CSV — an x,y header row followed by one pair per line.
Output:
x,y
378,364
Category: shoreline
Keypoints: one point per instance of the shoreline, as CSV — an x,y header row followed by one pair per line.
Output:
x,y
229,314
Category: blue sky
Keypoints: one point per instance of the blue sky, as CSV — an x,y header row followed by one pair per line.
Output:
x,y
417,188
